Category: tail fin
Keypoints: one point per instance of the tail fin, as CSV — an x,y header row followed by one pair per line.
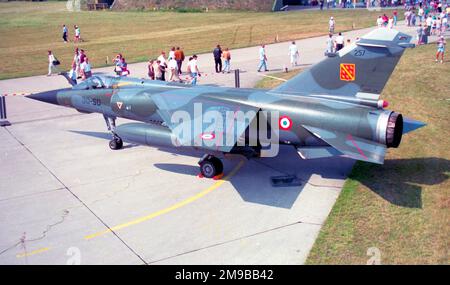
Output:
x,y
362,67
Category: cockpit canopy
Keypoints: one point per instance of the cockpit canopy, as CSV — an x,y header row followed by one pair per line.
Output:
x,y
94,82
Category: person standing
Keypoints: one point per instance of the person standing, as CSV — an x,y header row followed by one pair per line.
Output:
x,y
293,53
331,25
262,58
65,34
193,69
339,42
226,55
379,22
419,35
86,69
179,57
217,53
151,69
391,23
173,72
77,34
157,69
440,49
163,63
172,53
330,44
395,15
52,63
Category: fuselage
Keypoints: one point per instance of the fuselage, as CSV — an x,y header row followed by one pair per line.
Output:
x,y
133,99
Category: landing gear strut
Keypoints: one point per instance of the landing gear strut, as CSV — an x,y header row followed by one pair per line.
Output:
x,y
116,142
210,166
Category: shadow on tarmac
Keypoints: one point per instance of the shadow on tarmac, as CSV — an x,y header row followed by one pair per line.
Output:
x,y
398,181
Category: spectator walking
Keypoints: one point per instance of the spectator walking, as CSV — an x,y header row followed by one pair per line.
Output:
x,y
172,53
339,42
440,49
262,58
65,33
217,53
293,54
179,57
193,69
226,55
52,63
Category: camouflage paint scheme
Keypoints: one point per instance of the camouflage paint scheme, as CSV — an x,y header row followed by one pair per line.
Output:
x,y
333,108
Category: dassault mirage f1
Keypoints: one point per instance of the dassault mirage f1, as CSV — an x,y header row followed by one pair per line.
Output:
x,y
331,109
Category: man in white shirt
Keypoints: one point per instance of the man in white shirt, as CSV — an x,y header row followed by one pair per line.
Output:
x,y
193,68
173,70
379,22
163,63
339,42
293,53
331,25
330,44
51,63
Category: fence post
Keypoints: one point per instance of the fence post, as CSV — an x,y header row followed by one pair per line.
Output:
x,y
3,121
237,80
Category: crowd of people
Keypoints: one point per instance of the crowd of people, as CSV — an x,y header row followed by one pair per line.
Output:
x,y
430,18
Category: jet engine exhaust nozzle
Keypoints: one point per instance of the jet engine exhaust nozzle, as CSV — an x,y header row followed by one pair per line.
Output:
x,y
394,130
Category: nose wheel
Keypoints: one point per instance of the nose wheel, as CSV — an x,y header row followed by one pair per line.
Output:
x,y
116,143
210,166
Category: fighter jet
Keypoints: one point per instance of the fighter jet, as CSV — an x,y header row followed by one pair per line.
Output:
x,y
331,109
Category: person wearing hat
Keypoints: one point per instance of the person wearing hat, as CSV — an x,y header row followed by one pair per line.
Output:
x,y
331,25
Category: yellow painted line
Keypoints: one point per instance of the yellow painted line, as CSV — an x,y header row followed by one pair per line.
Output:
x,y
171,208
37,251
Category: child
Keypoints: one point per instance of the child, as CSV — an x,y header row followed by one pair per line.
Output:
x,y
440,49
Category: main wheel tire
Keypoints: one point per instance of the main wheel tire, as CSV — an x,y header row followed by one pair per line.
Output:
x,y
211,167
116,144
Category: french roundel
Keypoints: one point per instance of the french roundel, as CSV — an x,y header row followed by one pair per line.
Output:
x,y
285,123
208,136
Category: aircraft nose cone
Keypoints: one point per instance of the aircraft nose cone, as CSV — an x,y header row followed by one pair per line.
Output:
x,y
47,97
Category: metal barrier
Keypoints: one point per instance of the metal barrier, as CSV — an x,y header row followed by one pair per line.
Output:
x,y
3,120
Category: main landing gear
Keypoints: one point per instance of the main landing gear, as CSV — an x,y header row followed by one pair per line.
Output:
x,y
210,166
116,142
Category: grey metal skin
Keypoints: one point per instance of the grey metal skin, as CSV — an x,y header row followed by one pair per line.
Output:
x,y
330,116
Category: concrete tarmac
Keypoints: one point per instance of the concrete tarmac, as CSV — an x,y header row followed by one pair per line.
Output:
x,y
66,198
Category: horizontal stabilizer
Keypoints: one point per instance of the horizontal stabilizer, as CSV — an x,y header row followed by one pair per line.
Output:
x,y
410,125
351,146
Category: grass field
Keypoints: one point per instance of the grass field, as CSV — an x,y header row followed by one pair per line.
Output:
x,y
29,29
402,207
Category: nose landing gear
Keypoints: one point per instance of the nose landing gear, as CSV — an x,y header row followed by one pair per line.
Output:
x,y
116,142
210,166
